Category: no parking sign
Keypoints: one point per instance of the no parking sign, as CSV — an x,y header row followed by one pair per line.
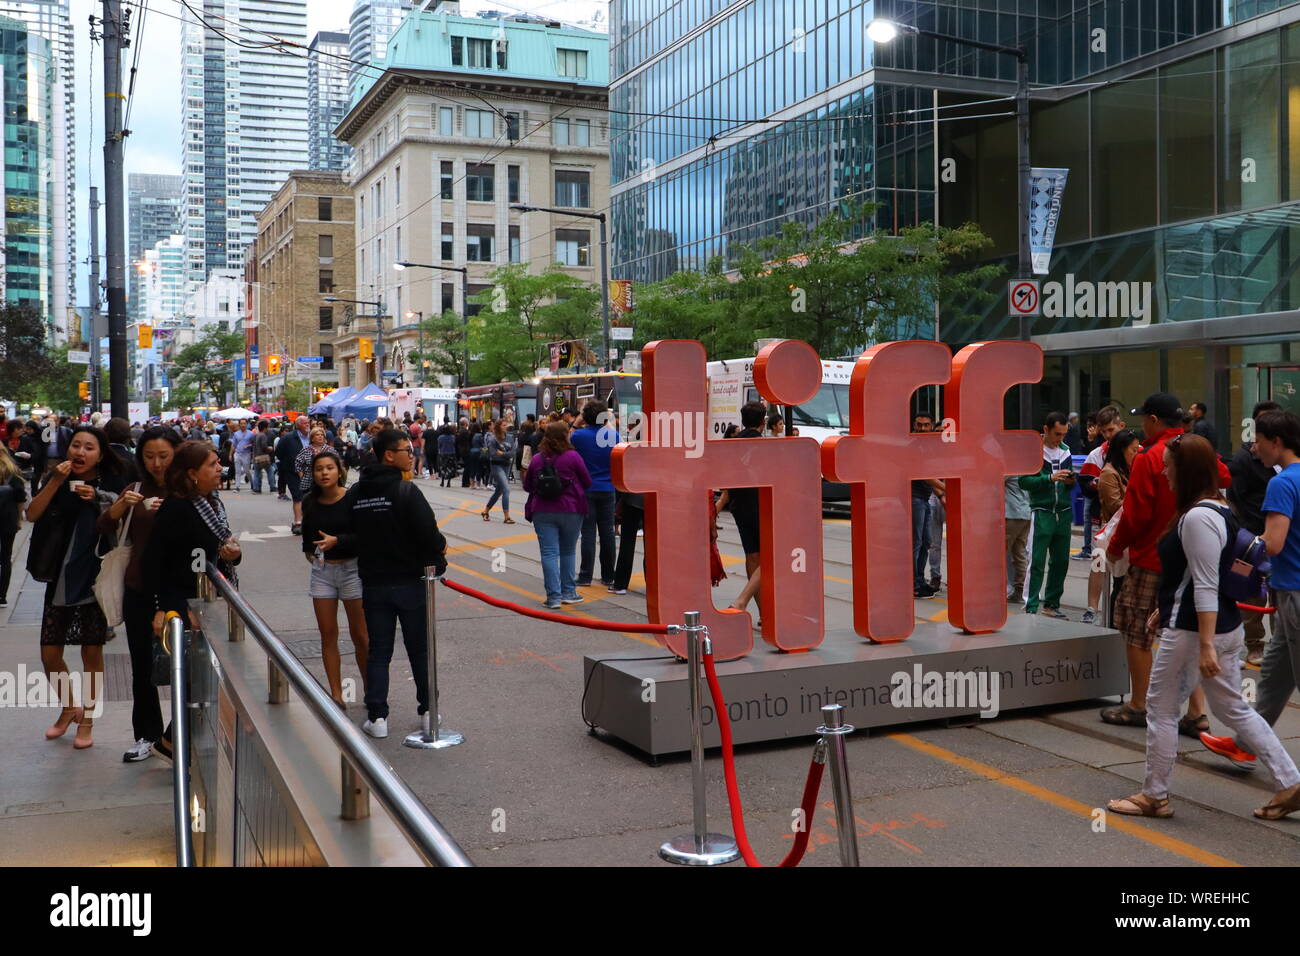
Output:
x,y
1023,297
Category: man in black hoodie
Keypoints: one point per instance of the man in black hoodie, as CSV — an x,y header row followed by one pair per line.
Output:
x,y
1250,478
397,538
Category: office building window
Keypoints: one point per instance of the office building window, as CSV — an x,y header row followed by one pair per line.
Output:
x,y
561,136
397,186
573,247
326,323
446,180
457,51
571,63
474,308
448,242
397,246
512,179
512,127
327,353
515,248
325,209
480,53
446,121
582,132
502,46
361,212
326,280
572,188
478,241
478,181
326,246
448,297
478,124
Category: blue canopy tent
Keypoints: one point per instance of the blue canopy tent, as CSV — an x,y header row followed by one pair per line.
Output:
x,y
370,402
327,403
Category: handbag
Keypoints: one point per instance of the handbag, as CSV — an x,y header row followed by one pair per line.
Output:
x,y
110,583
262,461
48,546
1101,541
161,666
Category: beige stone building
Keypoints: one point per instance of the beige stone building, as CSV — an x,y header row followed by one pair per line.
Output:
x,y
304,250
473,116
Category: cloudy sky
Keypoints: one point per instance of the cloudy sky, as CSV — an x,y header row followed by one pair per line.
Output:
x,y
154,144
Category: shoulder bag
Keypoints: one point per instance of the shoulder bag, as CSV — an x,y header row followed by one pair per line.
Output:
x,y
110,583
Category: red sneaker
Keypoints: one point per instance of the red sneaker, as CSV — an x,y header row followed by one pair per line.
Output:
x,y
1227,747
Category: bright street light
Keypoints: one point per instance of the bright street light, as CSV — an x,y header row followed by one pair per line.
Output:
x,y
399,266
883,31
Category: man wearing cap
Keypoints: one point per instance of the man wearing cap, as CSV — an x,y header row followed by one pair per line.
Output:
x,y
1149,506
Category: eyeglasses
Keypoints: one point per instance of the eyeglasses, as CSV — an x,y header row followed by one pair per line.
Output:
x,y
404,450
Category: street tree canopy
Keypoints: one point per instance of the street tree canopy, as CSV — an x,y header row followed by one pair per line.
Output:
x,y
205,363
24,354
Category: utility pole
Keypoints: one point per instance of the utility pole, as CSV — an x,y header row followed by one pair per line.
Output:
x,y
94,372
114,219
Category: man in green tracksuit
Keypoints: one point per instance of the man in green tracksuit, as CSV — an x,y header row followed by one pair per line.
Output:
x,y
1049,499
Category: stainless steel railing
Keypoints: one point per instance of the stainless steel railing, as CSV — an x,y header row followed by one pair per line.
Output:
x,y
364,770
174,641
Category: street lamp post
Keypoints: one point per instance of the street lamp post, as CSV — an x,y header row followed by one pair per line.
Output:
x,y
419,329
604,262
379,327
884,31
464,306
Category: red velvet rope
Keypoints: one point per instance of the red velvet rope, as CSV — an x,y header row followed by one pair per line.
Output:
x,y
811,785
556,618
1256,608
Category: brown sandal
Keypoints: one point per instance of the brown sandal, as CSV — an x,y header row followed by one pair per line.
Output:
x,y
485,516
1125,716
1140,805
1287,801
509,520
1194,726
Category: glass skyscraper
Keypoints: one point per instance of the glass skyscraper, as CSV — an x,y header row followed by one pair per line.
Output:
x,y
1179,121
153,207
327,100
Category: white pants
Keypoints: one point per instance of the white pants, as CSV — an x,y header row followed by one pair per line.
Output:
x,y
1175,672
243,468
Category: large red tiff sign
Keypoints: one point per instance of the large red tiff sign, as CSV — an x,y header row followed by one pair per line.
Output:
x,y
677,476
878,458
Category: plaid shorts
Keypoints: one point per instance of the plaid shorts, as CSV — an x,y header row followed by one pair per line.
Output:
x,y
1136,601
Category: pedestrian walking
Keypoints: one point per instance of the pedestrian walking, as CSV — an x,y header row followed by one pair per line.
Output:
x,y
397,538
1112,484
13,494
743,502
557,481
287,450
922,491
1019,520
497,451
1201,636
61,553
594,441
331,548
132,518
191,519
1250,479
629,514
262,460
446,448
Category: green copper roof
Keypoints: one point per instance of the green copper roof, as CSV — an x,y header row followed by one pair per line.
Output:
x,y
423,42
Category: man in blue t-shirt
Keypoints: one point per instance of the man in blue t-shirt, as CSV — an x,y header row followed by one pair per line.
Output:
x,y
594,442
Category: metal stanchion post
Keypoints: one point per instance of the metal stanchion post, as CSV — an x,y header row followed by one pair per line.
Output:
x,y
174,632
1104,605
234,625
833,731
700,847
432,736
277,691
356,795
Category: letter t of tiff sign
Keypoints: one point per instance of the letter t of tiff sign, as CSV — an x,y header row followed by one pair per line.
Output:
x,y
881,456
785,471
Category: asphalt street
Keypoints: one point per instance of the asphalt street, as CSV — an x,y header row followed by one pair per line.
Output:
x,y
531,786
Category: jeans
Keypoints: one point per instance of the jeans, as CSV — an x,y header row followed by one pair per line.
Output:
x,y
631,524
384,606
600,518
471,468
146,713
937,517
1175,673
920,539
1088,530
257,476
501,489
1279,673
557,539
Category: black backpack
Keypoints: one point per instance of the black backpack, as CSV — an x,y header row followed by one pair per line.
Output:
x,y
549,484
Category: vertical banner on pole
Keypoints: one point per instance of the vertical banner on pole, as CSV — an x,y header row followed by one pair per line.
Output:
x,y
1046,186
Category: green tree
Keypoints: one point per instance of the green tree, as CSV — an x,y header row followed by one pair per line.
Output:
x,y
296,395
205,363
694,305
59,386
444,348
521,314
24,354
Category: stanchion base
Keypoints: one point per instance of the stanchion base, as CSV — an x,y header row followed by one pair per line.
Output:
x,y
422,740
718,849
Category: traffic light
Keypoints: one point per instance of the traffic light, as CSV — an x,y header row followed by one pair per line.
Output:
x,y
365,350
273,365
145,340
83,389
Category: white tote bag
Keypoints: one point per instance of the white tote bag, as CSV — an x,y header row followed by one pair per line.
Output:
x,y
1101,541
111,580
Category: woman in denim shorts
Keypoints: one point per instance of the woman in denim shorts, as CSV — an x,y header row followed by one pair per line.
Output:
x,y
330,547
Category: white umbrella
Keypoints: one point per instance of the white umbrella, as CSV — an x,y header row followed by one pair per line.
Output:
x,y
233,413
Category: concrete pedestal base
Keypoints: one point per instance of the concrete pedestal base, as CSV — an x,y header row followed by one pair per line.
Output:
x,y
936,673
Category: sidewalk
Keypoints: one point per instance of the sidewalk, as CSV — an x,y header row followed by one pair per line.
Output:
x,y
66,807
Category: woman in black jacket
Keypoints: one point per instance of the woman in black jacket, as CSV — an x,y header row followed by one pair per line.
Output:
x,y
62,554
13,493
191,519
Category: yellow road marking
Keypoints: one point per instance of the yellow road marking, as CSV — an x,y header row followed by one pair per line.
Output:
x,y
1113,820
495,579
491,543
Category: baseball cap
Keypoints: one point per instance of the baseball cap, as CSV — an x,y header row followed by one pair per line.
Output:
x,y
1160,404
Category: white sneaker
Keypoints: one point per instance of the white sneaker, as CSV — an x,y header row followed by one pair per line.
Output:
x,y
376,728
142,750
